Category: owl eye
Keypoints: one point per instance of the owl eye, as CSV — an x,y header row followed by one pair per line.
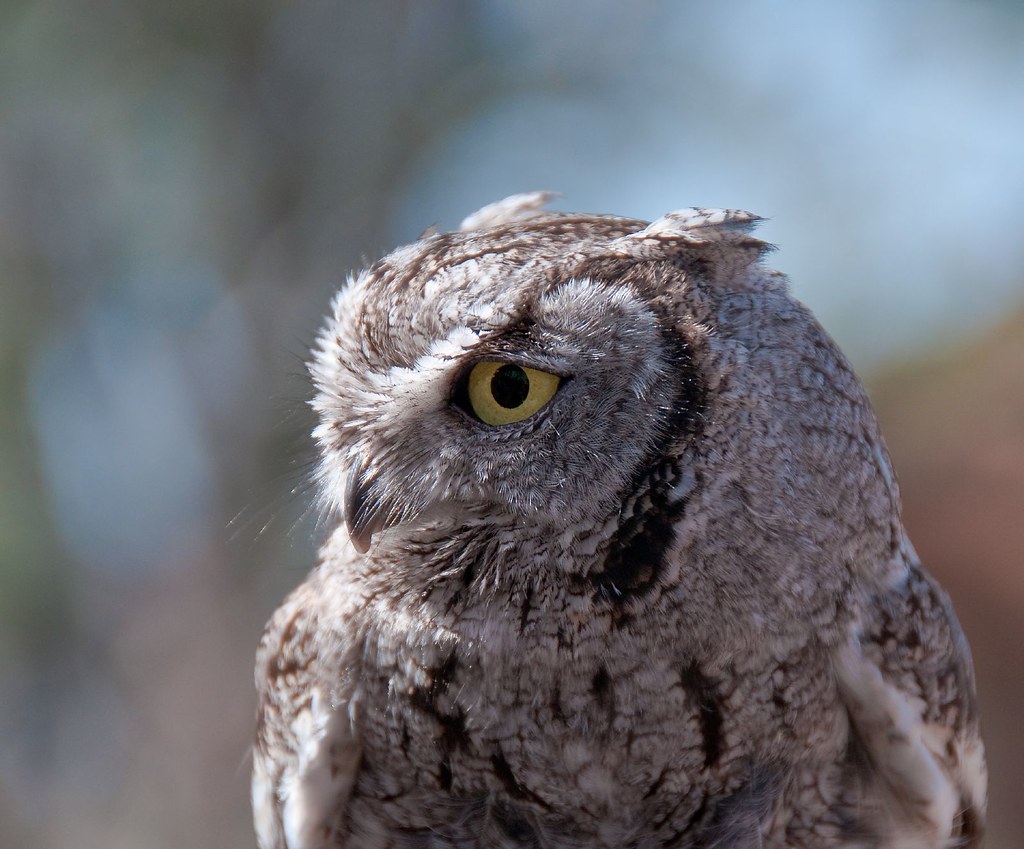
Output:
x,y
501,393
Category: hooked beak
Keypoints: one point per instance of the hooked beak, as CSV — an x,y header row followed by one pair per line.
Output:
x,y
366,512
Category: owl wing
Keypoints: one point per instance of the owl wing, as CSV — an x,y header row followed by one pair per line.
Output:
x,y
307,751
907,681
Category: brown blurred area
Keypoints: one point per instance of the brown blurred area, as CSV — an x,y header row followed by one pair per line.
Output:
x,y
955,429
184,186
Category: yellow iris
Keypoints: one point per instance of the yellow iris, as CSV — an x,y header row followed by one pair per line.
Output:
x,y
502,393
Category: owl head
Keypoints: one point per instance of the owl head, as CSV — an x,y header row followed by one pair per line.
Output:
x,y
618,391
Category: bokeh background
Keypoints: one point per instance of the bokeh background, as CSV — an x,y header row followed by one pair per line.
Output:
x,y
183,185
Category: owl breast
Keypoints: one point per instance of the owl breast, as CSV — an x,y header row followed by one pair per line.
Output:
x,y
468,734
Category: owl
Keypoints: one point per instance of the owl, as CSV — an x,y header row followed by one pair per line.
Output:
x,y
617,562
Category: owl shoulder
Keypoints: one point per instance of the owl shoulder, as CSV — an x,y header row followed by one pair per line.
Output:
x,y
306,753
906,678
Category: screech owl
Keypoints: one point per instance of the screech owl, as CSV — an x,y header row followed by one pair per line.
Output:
x,y
621,565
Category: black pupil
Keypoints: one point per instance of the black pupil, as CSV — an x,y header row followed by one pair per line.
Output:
x,y
510,385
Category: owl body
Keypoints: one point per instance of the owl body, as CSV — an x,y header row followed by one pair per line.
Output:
x,y
669,604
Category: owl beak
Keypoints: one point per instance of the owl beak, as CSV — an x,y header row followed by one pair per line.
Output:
x,y
365,512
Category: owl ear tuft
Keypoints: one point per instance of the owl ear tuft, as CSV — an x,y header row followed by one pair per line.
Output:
x,y
718,240
697,226
507,211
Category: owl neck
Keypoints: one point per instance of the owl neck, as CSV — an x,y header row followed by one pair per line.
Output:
x,y
518,568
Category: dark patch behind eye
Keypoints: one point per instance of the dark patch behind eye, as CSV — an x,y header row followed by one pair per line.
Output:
x,y
635,558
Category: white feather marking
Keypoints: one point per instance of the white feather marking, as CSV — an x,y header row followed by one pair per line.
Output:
x,y
884,467
906,752
973,773
313,790
459,340
264,804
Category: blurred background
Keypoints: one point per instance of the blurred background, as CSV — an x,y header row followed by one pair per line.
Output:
x,y
183,186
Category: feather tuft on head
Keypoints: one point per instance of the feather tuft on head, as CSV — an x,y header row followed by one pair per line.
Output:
x,y
507,211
